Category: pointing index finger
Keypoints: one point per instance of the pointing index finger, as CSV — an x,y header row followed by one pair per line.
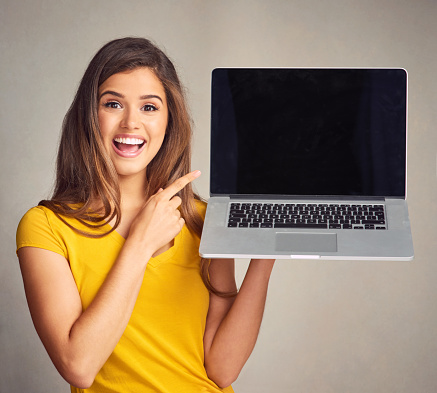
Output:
x,y
179,184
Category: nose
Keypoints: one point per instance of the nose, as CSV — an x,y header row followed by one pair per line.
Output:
x,y
130,119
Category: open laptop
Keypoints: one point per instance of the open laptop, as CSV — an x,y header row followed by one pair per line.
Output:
x,y
308,163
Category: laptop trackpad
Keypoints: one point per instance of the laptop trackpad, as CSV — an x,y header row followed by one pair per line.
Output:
x,y
306,242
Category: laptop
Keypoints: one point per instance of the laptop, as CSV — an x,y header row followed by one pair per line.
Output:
x,y
308,163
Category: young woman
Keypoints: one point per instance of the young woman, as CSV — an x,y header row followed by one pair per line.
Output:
x,y
117,291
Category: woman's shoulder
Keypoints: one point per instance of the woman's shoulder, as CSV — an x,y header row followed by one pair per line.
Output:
x,y
40,216
36,229
37,215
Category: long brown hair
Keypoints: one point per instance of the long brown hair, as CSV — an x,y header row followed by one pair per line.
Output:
x,y
84,171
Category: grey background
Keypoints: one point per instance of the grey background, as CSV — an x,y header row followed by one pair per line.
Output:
x,y
328,326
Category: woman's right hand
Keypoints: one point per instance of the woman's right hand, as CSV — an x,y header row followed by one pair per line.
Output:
x,y
159,221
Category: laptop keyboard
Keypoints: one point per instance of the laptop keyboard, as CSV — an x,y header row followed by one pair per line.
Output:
x,y
311,215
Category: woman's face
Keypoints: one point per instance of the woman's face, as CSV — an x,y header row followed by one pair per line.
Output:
x,y
133,117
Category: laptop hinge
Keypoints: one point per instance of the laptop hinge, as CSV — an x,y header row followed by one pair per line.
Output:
x,y
307,197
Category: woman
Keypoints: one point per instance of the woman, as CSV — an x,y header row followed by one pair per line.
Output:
x,y
115,286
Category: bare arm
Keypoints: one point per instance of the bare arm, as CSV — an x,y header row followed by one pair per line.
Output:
x,y
79,342
233,324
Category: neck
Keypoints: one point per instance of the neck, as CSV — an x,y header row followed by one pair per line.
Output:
x,y
132,190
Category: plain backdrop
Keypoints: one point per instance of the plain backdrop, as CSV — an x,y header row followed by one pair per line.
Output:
x,y
362,327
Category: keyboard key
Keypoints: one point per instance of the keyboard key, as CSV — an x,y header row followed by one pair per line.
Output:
x,y
235,220
368,222
238,215
296,225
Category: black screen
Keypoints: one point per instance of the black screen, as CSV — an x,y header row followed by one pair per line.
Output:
x,y
309,132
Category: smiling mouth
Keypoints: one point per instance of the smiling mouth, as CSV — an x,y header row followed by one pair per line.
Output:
x,y
128,145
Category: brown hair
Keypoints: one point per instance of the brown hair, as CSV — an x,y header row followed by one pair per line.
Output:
x,y
84,171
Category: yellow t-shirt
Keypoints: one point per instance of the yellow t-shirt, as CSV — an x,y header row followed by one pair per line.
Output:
x,y
161,349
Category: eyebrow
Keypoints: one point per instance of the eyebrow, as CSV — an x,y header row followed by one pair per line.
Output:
x,y
144,97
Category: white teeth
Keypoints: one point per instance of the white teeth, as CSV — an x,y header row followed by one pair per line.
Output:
x,y
129,141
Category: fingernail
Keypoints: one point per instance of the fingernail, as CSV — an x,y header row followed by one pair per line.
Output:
x,y
197,173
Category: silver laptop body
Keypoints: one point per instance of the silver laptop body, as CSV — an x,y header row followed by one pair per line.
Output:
x,y
308,164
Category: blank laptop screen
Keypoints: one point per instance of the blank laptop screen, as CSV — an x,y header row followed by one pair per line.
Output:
x,y
309,132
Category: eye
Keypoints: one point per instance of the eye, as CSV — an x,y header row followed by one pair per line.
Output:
x,y
112,105
149,108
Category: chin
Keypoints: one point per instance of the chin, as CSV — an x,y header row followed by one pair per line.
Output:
x,y
127,171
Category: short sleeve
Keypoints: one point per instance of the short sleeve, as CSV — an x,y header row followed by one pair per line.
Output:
x,y
34,230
